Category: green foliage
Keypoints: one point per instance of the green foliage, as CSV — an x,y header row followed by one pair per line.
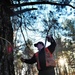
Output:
x,y
69,26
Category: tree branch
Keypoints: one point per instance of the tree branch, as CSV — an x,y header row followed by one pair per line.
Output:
x,y
34,3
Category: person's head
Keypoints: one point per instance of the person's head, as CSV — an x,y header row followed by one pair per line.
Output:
x,y
39,45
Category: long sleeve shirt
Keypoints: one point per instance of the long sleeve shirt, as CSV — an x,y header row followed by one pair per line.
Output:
x,y
51,48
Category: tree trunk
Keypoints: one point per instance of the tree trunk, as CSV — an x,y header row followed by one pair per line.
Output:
x,y
6,41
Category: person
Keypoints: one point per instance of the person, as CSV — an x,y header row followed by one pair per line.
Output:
x,y
44,57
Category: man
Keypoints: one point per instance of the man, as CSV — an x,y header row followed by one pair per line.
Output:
x,y
44,58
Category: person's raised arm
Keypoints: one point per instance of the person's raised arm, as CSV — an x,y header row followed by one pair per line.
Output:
x,y
52,46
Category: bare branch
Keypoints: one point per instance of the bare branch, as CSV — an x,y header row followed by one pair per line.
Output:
x,y
34,3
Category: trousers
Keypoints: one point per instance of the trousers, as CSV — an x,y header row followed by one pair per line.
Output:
x,y
49,71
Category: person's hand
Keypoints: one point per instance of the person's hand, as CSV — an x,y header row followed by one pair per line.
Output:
x,y
22,59
49,37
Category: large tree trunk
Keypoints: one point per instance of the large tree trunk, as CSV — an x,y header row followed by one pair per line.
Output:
x,y
6,45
